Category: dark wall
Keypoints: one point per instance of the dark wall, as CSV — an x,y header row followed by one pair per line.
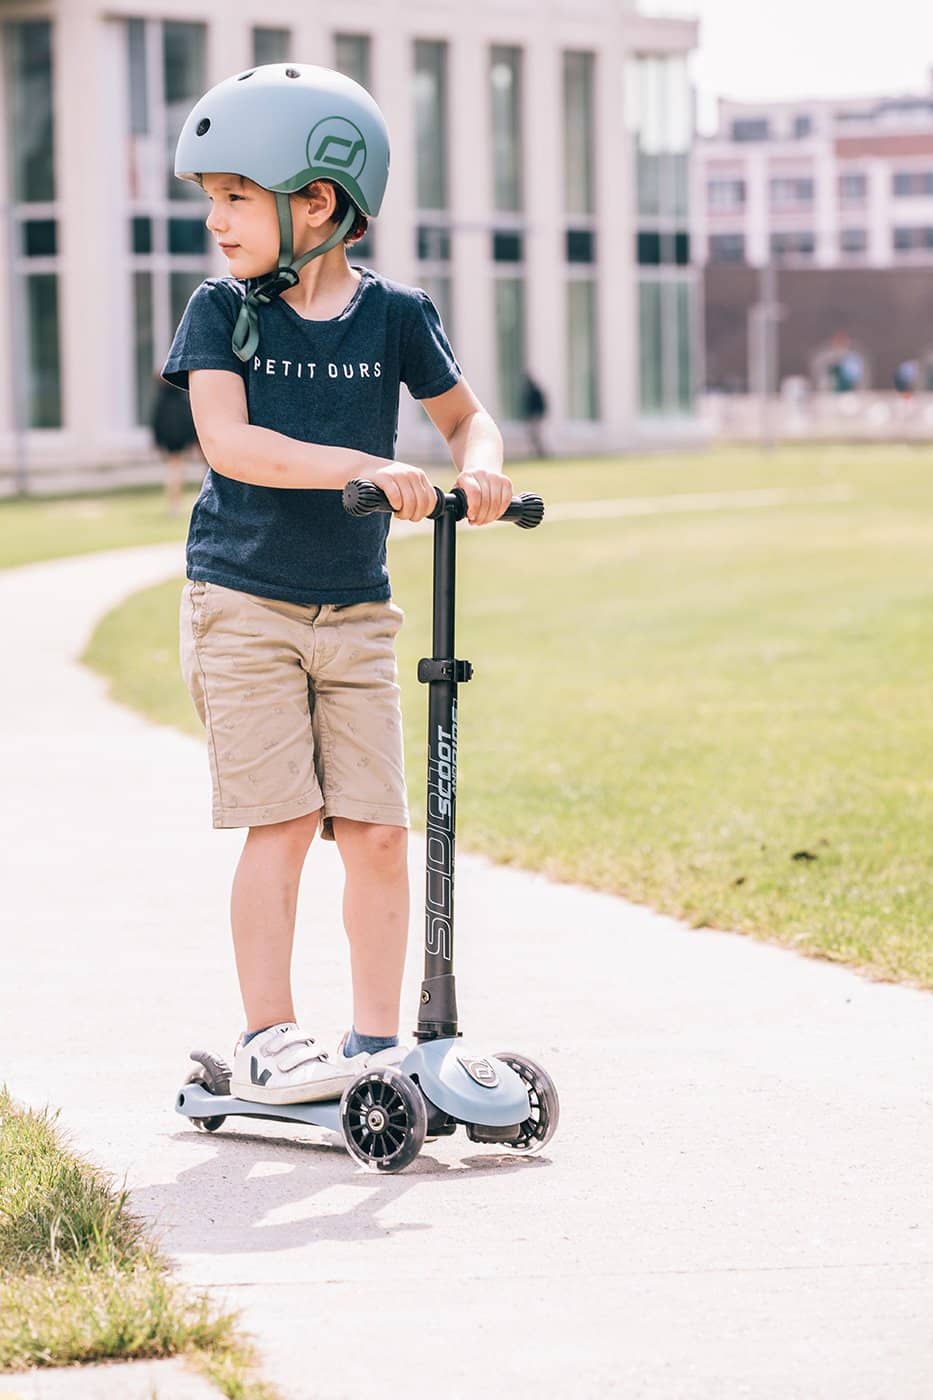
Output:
x,y
886,312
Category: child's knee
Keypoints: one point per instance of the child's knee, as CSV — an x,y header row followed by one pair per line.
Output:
x,y
379,846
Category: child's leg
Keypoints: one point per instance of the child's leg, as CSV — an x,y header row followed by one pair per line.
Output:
x,y
375,915
262,914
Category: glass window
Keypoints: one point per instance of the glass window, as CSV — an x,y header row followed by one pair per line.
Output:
x,y
912,182
581,245
30,136
793,245
792,191
433,243
507,246
666,341
505,91
353,56
754,129
431,123
187,236
271,45
139,76
727,248
659,112
141,235
683,339
913,239
30,119
45,407
40,238
582,384
144,346
183,82
853,186
579,182
651,367
853,240
510,345
803,126
725,194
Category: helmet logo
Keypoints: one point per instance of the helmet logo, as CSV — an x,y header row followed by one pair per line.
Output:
x,y
338,144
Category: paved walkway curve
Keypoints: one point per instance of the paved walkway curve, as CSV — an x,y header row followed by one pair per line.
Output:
x,y
737,1203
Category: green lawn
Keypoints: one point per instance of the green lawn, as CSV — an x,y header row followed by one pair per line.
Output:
x,y
80,1282
720,714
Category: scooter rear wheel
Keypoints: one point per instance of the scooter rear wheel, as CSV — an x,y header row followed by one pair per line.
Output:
x,y
214,1076
383,1118
541,1124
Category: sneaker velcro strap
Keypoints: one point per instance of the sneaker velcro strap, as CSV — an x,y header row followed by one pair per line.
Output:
x,y
294,1049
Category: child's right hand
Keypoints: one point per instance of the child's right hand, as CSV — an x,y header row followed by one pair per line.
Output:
x,y
411,494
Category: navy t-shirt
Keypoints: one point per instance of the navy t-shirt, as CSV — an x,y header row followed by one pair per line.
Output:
x,y
333,382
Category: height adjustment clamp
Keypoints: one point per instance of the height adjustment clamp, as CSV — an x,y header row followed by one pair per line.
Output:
x,y
430,669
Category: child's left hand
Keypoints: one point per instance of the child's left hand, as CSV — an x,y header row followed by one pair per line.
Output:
x,y
488,494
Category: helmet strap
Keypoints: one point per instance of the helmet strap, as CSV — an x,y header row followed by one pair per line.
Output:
x,y
246,330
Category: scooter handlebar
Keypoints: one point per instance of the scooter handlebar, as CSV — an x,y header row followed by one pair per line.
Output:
x,y
363,498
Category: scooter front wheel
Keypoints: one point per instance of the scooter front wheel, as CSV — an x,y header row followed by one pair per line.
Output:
x,y
383,1118
541,1124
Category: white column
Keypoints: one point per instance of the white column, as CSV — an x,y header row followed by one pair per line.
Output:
x,y
92,289
470,190
826,206
543,183
757,216
880,230
617,269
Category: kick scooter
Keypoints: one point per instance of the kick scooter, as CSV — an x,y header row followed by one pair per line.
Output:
x,y
444,1082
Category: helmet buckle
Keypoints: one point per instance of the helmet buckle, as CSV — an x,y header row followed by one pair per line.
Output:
x,y
274,285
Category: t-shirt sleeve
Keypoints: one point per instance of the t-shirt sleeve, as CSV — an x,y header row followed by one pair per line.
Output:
x,y
428,363
205,333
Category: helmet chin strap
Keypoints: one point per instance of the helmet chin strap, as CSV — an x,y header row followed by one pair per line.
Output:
x,y
246,330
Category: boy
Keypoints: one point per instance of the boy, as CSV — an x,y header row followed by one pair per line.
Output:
x,y
287,623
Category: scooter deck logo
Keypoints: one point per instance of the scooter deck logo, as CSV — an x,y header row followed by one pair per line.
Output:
x,y
480,1070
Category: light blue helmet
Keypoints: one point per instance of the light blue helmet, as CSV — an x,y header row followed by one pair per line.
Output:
x,y
282,126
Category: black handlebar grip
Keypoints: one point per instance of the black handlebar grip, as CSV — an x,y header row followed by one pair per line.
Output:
x,y
363,498
526,510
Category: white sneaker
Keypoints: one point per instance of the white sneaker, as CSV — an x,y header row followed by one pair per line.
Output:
x,y
284,1065
390,1058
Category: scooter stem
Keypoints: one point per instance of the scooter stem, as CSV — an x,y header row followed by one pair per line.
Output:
x,y
442,673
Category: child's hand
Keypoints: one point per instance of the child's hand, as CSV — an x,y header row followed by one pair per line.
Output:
x,y
488,495
411,494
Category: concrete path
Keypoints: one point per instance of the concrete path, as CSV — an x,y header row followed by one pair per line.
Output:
x,y
737,1203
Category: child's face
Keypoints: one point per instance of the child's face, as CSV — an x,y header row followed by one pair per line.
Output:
x,y
243,220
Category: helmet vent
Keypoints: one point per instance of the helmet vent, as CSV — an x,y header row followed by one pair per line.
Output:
x,y
204,125
292,73
244,76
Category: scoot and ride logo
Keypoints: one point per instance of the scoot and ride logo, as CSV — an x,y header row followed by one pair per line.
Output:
x,y
442,791
338,145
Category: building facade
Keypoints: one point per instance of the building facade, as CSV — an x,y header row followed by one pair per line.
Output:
x,y
818,184
539,192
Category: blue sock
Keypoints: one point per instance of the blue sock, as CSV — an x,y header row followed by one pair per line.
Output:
x,y
247,1037
368,1044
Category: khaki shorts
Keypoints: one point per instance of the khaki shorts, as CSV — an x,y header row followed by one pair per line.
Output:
x,y
301,706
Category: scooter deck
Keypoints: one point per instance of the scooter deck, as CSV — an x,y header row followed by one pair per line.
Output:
x,y
194,1101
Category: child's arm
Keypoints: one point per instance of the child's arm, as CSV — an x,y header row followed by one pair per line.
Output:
x,y
239,449
475,446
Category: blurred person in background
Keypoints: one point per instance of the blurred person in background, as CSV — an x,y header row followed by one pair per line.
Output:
x,y
174,434
905,378
534,410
